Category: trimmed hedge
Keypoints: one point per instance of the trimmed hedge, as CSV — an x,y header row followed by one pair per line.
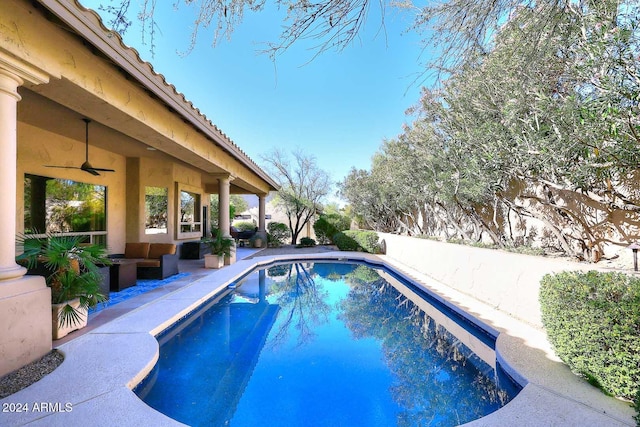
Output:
x,y
328,225
357,240
306,242
593,321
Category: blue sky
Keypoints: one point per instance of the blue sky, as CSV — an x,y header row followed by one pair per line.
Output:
x,y
339,107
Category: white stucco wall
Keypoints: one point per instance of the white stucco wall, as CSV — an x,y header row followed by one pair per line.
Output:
x,y
25,322
507,281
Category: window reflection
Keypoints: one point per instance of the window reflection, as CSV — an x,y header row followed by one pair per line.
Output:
x,y
156,202
189,212
54,205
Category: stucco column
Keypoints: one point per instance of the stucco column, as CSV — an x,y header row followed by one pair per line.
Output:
x,y
262,229
261,213
25,301
9,98
224,184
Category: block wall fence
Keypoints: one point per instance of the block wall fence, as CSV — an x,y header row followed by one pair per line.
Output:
x,y
507,281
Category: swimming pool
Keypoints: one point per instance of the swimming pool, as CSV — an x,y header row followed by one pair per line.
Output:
x,y
320,343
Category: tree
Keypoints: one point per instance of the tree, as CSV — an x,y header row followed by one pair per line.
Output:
x,y
303,186
334,24
459,28
236,204
528,130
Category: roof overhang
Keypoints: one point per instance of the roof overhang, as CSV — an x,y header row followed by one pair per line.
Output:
x,y
88,25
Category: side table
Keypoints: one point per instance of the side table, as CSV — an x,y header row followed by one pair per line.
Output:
x,y
124,273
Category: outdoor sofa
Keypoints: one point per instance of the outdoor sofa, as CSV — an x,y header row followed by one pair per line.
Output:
x,y
154,260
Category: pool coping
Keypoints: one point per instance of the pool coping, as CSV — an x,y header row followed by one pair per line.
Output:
x,y
102,366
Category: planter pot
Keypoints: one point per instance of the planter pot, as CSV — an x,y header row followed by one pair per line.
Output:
x,y
59,330
213,261
228,260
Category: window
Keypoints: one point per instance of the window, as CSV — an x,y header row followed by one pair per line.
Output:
x,y
53,205
190,221
156,204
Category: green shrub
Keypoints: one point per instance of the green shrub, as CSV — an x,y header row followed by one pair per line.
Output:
x,y
358,240
244,225
277,233
328,225
593,321
345,243
306,242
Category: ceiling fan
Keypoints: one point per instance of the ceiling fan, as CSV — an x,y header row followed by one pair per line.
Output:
x,y
86,166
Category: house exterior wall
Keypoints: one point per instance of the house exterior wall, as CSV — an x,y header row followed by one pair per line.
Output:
x,y
101,91
125,187
38,147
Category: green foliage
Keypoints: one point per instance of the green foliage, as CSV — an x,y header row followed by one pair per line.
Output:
x,y
345,243
70,206
156,202
358,240
73,269
328,225
236,204
306,242
220,245
277,233
545,114
593,321
244,225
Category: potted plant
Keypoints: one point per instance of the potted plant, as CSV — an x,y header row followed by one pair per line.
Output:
x,y
71,271
221,248
256,241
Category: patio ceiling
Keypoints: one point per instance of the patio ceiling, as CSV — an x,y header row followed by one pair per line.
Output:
x,y
57,104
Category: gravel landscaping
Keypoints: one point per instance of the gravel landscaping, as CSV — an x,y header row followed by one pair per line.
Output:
x,y
27,375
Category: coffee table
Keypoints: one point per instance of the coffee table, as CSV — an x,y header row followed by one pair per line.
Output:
x,y
123,274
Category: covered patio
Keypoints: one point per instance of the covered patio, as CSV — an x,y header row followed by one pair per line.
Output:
x,y
80,110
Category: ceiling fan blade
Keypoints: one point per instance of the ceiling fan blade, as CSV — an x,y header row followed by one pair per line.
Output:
x,y
86,166
62,167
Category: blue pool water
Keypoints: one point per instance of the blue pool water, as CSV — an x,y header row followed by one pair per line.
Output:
x,y
325,344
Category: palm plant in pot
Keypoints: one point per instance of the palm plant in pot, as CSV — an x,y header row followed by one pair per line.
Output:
x,y
221,248
71,271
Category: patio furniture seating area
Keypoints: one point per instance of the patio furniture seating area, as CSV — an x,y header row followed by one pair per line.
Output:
x,y
154,260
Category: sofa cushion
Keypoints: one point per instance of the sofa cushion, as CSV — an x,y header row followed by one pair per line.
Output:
x,y
156,250
136,250
148,263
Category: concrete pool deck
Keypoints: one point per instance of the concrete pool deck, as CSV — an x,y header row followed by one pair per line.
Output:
x,y
102,364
